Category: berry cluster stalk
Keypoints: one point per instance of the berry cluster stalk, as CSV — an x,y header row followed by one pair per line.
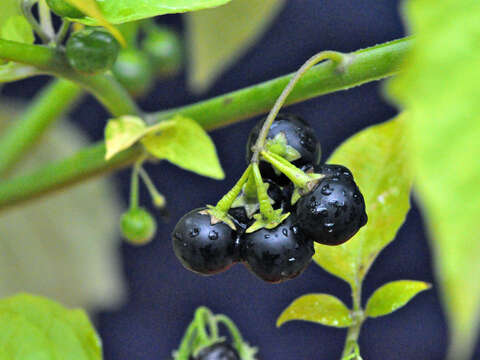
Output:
x,y
338,60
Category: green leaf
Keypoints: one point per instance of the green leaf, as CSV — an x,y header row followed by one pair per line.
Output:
x,y
377,158
322,309
33,327
13,25
122,11
218,37
439,88
121,133
50,246
393,296
187,145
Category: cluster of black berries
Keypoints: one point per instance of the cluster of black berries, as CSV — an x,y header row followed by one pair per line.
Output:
x,y
330,213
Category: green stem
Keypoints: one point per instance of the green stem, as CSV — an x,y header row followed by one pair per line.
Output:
x,y
157,198
297,176
266,208
134,188
335,57
234,332
367,65
186,343
62,32
48,106
358,315
227,200
53,62
26,6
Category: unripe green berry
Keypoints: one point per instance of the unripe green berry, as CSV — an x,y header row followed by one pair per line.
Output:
x,y
138,226
92,51
164,48
64,9
133,70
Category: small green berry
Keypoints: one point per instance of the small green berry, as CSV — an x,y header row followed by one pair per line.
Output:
x,y
64,9
133,70
92,51
138,226
164,48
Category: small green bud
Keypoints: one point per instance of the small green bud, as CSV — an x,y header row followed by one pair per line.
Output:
x,y
138,226
134,71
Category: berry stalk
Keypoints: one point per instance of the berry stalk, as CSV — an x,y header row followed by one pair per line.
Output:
x,y
338,60
266,209
225,203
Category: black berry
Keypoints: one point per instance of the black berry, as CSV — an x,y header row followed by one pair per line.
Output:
x,y
278,254
218,351
204,247
334,210
299,135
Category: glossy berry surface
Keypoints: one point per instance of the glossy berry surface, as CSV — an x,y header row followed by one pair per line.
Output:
x,y
299,135
218,351
279,254
335,210
64,9
203,247
138,226
134,71
92,51
164,48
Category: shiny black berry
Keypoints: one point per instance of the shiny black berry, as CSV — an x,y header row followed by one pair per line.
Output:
x,y
218,351
299,135
334,210
334,170
203,247
278,254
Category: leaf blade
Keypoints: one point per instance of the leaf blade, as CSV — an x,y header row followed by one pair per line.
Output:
x,y
217,37
121,133
13,25
375,156
392,296
322,309
187,145
438,86
45,328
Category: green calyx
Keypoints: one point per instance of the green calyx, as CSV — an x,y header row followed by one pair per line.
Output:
x,y
279,145
217,216
138,226
92,51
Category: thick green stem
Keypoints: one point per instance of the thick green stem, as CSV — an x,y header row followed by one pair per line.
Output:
x,y
227,200
234,332
358,315
53,62
296,176
23,132
367,65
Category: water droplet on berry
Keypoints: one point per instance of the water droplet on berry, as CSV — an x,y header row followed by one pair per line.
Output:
x,y
292,259
194,232
329,227
213,235
326,190
285,232
267,236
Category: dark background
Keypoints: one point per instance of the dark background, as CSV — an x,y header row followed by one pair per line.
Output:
x,y
163,296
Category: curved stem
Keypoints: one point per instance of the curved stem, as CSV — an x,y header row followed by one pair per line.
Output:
x,y
336,57
134,188
53,62
234,332
296,176
157,198
368,65
26,6
47,107
227,200
185,345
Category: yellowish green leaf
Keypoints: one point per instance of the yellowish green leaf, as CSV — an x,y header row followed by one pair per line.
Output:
x,y
33,327
93,9
123,11
186,144
439,88
218,37
121,133
322,309
377,158
13,25
393,296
